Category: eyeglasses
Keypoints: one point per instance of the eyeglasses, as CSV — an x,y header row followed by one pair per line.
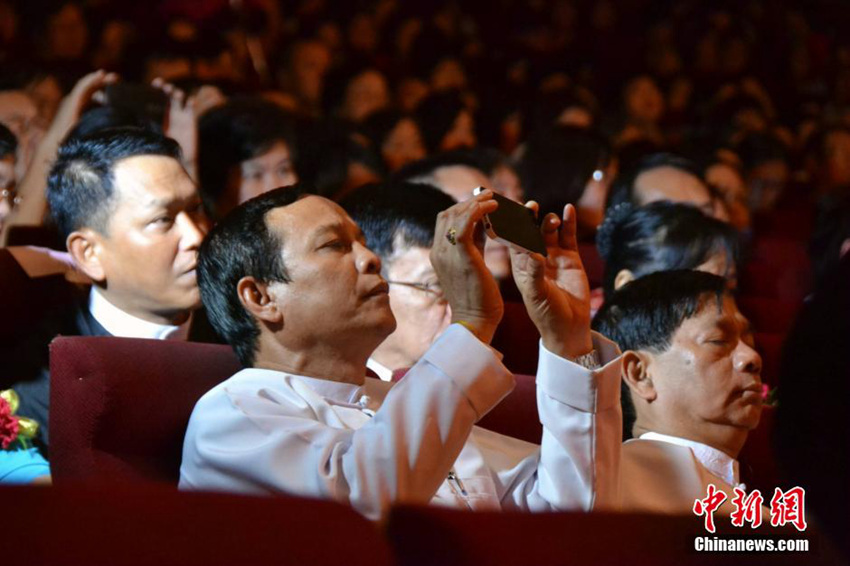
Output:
x,y
432,289
10,196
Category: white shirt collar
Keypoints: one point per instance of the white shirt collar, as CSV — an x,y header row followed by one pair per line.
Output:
x,y
382,371
120,323
715,461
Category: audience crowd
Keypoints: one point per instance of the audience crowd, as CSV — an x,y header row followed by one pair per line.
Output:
x,y
295,179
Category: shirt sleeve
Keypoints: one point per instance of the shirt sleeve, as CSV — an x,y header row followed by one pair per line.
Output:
x,y
255,443
577,466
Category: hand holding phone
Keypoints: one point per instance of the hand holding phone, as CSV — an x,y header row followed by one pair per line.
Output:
x,y
513,224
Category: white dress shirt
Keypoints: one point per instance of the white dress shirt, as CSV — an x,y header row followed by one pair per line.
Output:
x,y
376,444
666,474
715,461
120,323
382,371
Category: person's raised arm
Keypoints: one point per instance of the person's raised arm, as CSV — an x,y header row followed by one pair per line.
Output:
x,y
32,189
458,259
577,392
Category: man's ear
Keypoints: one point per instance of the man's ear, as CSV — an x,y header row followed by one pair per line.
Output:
x,y
257,299
623,277
636,375
85,248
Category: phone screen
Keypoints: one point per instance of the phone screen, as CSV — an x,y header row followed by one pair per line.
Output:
x,y
513,223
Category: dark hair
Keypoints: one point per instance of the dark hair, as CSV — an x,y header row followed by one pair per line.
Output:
x,y
239,130
436,116
645,313
623,187
106,117
238,246
80,188
557,164
425,168
390,212
758,148
660,236
8,142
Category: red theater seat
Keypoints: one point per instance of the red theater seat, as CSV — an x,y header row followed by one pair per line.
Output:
x,y
769,315
120,406
517,339
432,536
769,345
594,265
145,525
516,415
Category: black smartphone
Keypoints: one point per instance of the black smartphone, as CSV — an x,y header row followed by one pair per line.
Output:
x,y
513,224
141,100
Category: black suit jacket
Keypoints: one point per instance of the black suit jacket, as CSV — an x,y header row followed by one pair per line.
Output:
x,y
42,309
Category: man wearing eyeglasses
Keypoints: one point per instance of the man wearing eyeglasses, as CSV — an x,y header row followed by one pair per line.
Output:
x,y
8,147
398,222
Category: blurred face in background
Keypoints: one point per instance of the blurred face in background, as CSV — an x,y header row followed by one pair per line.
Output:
x,y
67,33
461,134
675,185
766,182
402,145
644,101
366,93
309,64
268,171
7,187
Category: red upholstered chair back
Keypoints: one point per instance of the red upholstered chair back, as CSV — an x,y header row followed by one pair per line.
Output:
x,y
437,536
120,406
516,415
144,525
517,339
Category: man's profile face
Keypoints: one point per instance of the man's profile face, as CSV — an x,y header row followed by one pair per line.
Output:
x,y
150,248
710,375
675,185
417,302
336,293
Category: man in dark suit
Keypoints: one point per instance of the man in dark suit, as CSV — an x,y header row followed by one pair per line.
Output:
x,y
132,221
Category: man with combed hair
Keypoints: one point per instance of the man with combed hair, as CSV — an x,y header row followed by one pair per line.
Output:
x,y
692,388
132,221
290,284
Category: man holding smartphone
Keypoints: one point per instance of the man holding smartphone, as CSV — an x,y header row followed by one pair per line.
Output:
x,y
290,283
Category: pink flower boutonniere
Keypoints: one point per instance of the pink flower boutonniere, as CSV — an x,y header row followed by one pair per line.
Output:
x,y
14,429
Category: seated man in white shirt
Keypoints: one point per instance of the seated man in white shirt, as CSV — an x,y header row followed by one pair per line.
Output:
x,y
397,220
289,282
692,388
132,222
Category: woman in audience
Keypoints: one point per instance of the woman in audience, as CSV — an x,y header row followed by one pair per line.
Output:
x,y
246,147
445,122
395,137
662,236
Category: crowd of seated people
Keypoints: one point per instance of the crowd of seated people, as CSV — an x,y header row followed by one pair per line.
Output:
x,y
295,179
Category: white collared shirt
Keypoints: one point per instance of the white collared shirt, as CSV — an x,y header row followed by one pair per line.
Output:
x,y
715,461
371,445
120,323
382,371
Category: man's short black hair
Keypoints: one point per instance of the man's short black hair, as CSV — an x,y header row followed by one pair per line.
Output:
x,y
242,245
392,213
623,187
8,142
80,187
644,314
